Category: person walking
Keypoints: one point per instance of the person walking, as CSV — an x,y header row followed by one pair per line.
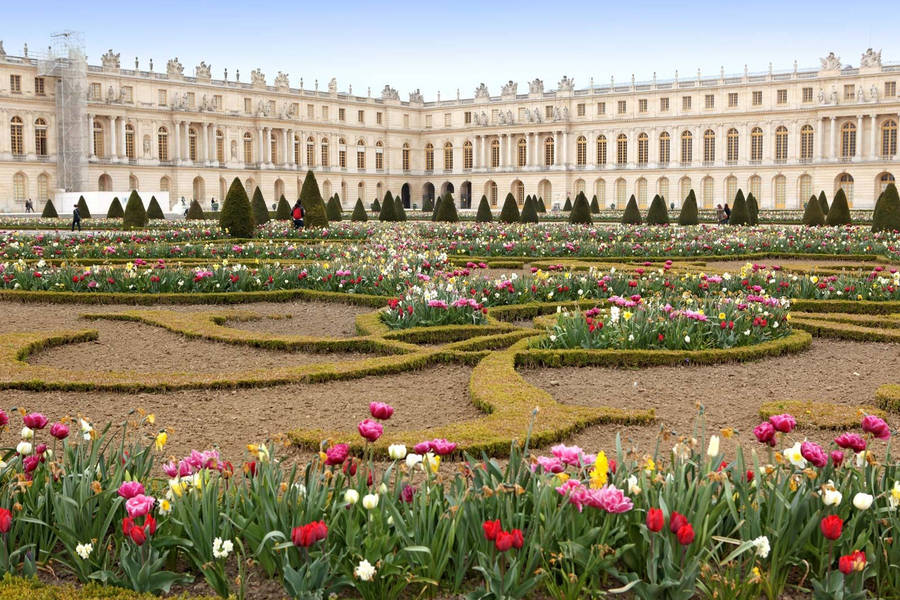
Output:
x,y
29,207
727,213
297,215
76,218
720,214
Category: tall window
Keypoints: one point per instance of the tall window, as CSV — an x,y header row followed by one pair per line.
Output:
x,y
379,156
519,190
848,140
732,145
273,149
620,193
220,146
664,148
429,157
756,144
43,187
129,141
806,143
781,143
601,150
248,148
361,155
687,147
342,153
780,191
805,189
663,186
642,192
492,193
709,146
522,153
448,156
495,153
548,151
756,187
39,87
846,183
192,144
888,138
310,152
15,84
730,187
98,139
404,156
581,151
685,187
467,155
162,143
323,151
621,149
16,141
19,187
40,139
885,180
708,192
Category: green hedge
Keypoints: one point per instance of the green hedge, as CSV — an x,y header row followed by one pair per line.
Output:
x,y
18,588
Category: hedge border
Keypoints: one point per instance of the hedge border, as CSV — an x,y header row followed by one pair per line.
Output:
x,y
819,415
888,397
17,588
846,331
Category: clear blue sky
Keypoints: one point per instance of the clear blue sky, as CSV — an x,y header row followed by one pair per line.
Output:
x,y
441,46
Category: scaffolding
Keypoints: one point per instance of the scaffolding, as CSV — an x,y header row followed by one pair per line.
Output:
x,y
66,63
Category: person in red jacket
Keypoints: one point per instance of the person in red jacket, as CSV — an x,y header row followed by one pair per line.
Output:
x,y
297,215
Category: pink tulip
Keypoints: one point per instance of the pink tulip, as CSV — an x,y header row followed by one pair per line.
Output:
x,y
784,423
4,418
59,430
337,454
370,430
549,465
170,469
139,506
837,457
571,455
35,420
422,447
814,454
612,500
876,426
442,447
851,441
381,411
130,489
765,433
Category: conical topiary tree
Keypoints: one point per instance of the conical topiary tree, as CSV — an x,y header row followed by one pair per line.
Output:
x,y
399,211
484,214
689,214
153,209
436,208
359,212
812,215
542,208
83,210
195,211
427,204
135,215
529,212
632,215
115,210
510,211
657,214
568,206
595,205
887,210
581,211
333,209
386,214
839,213
376,206
237,215
447,210
283,212
49,211
823,202
260,210
739,213
313,204
753,209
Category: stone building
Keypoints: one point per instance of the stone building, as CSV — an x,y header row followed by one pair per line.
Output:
x,y
781,135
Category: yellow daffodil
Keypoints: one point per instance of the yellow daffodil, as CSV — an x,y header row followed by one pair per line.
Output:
x,y
161,438
600,472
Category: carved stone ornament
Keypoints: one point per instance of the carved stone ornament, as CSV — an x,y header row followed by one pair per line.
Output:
x,y
110,60
416,97
481,92
536,87
257,78
870,59
510,88
2,51
332,85
831,62
389,93
203,71
174,68
282,81
566,84
537,116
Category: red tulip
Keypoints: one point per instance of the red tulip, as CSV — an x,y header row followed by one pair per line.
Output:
x,y
4,418
137,535
5,520
855,561
320,529
765,433
504,541
656,520
491,529
832,526
685,534
150,524
676,521
127,524
302,537
518,538
250,468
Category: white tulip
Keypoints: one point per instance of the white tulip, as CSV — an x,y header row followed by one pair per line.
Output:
x,y
413,459
713,449
27,433
364,570
862,501
351,497
397,451
831,497
24,448
370,501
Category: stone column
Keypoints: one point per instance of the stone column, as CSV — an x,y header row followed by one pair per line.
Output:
x,y
176,154
483,144
135,139
113,154
261,158
859,137
476,163
831,149
204,144
288,147
556,149
90,135
565,149
502,150
873,146
817,141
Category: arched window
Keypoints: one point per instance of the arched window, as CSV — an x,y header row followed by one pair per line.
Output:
x,y
16,142
405,156
845,182
600,191
379,156
220,146
643,151
641,189
732,145
19,187
192,144
467,155
620,193
730,188
129,141
621,149
756,188
888,138
164,184
162,143
40,141
248,147
885,180
780,193
98,139
361,154
781,143
709,146
522,153
323,152
685,187
495,153
342,153
805,189
548,151
43,187
756,144
492,193
519,191
429,157
581,151
708,199
664,148
310,152
806,145
601,150
448,156
848,140
662,187
687,147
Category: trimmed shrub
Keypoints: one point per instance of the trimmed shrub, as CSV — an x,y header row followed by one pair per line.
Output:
x,y
529,212
49,211
399,211
376,206
283,212
195,211
568,205
333,209
753,209
510,211
739,213
154,211
359,212
447,210
657,214
260,210
823,202
313,204
437,207
812,215
427,205
484,214
386,214
689,214
135,216
631,216
541,206
581,211
887,211
237,215
115,210
839,213
595,205
83,208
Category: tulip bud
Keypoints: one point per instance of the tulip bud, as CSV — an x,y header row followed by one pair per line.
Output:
x,y
27,433
351,497
382,489
713,449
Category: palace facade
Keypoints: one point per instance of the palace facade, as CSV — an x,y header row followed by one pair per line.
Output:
x,y
781,135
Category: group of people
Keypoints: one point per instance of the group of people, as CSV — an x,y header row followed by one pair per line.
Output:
x,y
723,214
